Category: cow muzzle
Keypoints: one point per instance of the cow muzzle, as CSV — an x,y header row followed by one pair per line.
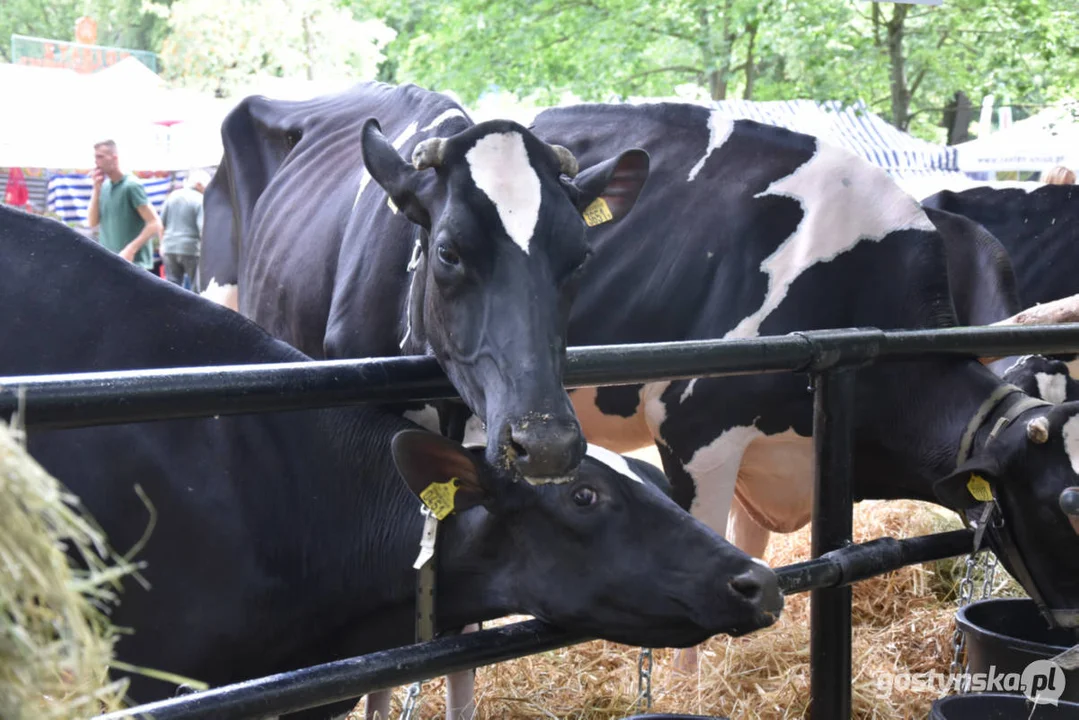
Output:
x,y
546,449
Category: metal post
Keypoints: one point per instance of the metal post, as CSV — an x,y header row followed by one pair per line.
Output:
x,y
830,608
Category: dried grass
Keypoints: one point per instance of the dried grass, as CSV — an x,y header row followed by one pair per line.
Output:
x,y
55,644
902,623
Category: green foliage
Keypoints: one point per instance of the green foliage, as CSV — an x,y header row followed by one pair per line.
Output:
x,y
130,24
219,46
905,61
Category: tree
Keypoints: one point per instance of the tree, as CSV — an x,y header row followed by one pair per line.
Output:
x,y
905,61
218,46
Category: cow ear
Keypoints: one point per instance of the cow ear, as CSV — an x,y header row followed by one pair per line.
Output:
x,y
401,181
440,472
970,485
607,191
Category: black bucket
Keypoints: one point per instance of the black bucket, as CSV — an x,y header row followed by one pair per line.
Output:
x,y
1000,706
1004,635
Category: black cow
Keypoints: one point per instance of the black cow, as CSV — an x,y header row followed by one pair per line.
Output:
x,y
1039,229
474,257
746,230
284,540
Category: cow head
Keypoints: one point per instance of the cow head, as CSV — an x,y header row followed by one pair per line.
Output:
x,y
501,244
1046,378
574,554
1028,476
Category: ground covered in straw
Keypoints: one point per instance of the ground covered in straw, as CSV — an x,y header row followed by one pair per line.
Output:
x,y
902,623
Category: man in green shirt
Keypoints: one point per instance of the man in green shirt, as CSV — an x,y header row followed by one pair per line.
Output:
x,y
119,204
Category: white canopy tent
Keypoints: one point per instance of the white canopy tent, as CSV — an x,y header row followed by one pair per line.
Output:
x,y
53,117
1037,143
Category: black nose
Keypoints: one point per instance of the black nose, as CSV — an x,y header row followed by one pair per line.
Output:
x,y
760,587
547,448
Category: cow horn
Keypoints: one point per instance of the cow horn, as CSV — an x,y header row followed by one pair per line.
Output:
x,y
428,154
567,163
1038,430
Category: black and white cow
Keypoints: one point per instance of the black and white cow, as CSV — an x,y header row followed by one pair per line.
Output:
x,y
746,230
474,257
287,539
1042,377
1039,229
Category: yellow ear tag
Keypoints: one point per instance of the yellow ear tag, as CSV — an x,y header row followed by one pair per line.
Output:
x,y
597,213
979,489
438,497
390,204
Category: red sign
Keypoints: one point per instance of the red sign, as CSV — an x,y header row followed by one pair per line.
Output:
x,y
86,30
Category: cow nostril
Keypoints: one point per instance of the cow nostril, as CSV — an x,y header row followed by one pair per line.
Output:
x,y
520,451
747,585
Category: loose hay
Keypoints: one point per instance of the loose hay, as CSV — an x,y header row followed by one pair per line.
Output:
x,y
902,623
55,644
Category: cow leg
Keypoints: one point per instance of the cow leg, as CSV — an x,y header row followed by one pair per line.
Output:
x,y
460,690
744,533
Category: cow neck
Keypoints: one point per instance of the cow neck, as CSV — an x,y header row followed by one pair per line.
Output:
x,y
414,341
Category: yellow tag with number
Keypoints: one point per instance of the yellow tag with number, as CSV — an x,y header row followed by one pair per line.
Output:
x,y
438,497
979,489
597,213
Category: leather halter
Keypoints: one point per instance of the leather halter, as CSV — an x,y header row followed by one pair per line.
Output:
x,y
988,518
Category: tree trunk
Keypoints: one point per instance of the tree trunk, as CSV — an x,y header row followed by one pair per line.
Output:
x,y
900,91
751,60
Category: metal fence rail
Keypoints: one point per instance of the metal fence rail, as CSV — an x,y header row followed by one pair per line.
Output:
x,y
830,357
100,398
348,679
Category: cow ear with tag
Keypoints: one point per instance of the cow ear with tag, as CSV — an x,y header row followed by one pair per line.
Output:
x,y
401,181
444,475
607,191
969,485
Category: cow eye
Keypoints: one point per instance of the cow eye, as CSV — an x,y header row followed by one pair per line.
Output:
x,y
448,256
584,496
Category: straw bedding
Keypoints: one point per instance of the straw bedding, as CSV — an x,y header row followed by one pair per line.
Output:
x,y
55,644
902,623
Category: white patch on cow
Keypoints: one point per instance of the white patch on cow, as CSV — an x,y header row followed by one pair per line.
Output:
x,y
612,460
688,392
719,129
227,295
426,418
1070,432
1051,387
761,563
475,433
500,168
846,201
714,471
442,118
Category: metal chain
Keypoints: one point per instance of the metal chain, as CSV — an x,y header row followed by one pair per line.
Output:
x,y
966,595
644,678
989,568
958,668
410,701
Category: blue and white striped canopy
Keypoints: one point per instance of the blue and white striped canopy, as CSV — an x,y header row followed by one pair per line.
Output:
x,y
854,128
69,194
